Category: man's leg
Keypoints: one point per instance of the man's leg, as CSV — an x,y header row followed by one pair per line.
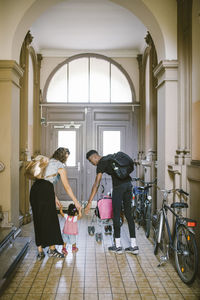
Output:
x,y
131,224
117,197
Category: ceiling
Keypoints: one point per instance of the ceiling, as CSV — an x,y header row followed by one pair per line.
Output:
x,y
88,25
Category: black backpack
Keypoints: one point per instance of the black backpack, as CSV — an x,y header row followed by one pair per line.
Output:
x,y
121,164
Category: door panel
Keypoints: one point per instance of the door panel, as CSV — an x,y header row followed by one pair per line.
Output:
x,y
70,138
103,128
112,132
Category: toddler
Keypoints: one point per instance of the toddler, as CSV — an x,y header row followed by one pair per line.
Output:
x,y
70,229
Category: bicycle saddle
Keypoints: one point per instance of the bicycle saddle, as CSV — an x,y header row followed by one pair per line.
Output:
x,y
179,205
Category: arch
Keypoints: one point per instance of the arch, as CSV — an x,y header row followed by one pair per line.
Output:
x,y
162,35
99,56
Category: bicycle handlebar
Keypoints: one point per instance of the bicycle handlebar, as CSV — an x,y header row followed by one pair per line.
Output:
x,y
173,191
149,182
144,182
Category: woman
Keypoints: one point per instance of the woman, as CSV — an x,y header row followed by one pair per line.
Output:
x,y
43,202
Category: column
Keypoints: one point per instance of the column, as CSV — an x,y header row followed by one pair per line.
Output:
x,y
166,73
10,73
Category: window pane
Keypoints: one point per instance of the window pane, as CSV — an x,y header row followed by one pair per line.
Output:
x,y
67,139
111,142
57,90
120,89
78,80
99,80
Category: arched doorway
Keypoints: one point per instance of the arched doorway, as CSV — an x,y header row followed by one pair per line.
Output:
x,y
100,115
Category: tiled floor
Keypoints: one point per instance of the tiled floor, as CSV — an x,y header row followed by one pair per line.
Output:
x,y
95,274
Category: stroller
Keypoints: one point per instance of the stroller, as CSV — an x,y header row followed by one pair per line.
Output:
x,y
103,215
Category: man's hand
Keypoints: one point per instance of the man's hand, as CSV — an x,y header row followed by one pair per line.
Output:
x,y
88,208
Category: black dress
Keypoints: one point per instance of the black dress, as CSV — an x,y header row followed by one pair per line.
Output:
x,y
45,218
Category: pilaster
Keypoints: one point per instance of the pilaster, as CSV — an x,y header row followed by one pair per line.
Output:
x,y
24,204
10,74
167,75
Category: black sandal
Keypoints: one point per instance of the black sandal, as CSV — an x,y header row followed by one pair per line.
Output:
x,y
55,253
40,255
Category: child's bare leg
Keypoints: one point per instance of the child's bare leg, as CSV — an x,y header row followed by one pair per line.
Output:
x,y
74,248
64,250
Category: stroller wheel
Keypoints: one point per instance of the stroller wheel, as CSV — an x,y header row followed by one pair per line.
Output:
x,y
98,237
106,228
91,230
110,229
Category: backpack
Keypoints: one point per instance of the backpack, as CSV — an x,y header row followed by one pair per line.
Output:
x,y
36,167
121,164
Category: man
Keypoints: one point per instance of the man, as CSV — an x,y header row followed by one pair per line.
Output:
x,y
122,192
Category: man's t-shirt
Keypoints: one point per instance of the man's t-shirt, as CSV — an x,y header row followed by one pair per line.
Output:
x,y
104,166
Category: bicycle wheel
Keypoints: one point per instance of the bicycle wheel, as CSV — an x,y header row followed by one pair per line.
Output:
x,y
136,212
155,236
186,255
148,220
160,244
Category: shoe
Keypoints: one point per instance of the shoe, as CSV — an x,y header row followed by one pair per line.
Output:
x,y
132,250
64,251
55,253
40,255
74,249
118,250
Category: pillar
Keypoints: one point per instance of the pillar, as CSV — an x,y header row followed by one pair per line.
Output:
x,y
167,99
10,74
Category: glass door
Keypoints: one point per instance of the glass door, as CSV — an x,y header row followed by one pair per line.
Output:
x,y
70,138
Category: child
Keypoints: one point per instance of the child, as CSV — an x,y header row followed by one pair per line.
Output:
x,y
70,229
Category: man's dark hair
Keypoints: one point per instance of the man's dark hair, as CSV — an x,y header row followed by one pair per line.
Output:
x,y
91,152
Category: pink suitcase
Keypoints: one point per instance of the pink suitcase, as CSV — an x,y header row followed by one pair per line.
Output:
x,y
105,208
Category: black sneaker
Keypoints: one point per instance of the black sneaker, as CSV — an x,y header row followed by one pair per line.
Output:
x,y
132,250
115,249
40,255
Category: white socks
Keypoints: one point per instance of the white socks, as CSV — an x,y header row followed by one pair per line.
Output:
x,y
133,242
118,242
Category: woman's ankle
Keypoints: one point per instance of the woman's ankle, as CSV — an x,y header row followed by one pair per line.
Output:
x,y
40,249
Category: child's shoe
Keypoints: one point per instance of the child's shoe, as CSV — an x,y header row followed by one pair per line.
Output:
x,y
64,251
74,249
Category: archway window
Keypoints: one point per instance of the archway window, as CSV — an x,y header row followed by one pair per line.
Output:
x,y
89,79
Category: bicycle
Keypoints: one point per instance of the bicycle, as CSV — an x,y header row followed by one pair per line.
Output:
x,y
181,241
143,205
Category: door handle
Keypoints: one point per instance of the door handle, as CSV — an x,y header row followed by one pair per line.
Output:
x,y
79,166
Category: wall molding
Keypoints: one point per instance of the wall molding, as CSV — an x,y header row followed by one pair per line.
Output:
x,y
70,52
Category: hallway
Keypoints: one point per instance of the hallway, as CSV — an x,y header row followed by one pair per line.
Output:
x,y
94,273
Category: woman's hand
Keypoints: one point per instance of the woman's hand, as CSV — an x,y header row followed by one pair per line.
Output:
x,y
58,204
78,206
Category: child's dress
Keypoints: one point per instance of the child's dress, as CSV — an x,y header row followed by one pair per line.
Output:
x,y
70,229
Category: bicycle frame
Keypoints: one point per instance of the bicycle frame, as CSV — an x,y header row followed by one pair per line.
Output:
x,y
165,219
